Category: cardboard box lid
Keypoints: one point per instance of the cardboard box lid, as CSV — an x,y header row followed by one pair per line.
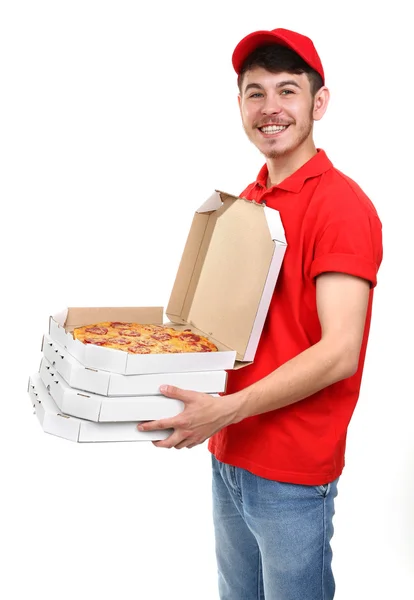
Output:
x,y
228,271
72,317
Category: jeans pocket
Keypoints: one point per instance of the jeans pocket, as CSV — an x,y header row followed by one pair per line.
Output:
x,y
323,489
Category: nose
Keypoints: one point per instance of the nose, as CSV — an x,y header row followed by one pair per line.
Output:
x,y
271,105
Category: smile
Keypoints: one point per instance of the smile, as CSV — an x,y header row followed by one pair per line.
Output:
x,y
271,129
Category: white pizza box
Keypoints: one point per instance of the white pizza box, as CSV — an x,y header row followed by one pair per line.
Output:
x,y
223,288
105,409
114,384
79,430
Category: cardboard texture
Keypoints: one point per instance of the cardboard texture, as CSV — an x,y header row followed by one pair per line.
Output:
x,y
223,288
94,407
228,271
113,384
55,423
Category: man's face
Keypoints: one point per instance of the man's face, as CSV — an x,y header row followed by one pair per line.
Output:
x,y
276,110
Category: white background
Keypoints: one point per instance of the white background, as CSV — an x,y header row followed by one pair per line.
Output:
x,y
117,120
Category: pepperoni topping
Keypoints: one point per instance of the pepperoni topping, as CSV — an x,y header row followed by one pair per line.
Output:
x,y
139,349
205,348
144,343
119,325
131,332
189,337
170,350
121,341
97,330
95,341
162,337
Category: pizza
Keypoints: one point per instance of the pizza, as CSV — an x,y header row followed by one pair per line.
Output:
x,y
143,339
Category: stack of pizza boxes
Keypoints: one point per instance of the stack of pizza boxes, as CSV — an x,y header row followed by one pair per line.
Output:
x,y
222,291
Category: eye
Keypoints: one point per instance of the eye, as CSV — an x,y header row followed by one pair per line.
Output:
x,y
286,92
256,95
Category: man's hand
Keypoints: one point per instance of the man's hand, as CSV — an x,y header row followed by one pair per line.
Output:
x,y
203,415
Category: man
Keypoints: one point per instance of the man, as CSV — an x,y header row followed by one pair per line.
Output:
x,y
278,436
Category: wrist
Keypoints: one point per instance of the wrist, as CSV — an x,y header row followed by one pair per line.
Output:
x,y
237,406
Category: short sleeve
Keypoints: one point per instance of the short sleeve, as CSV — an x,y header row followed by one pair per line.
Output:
x,y
352,245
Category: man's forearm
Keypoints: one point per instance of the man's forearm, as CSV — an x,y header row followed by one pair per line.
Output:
x,y
312,370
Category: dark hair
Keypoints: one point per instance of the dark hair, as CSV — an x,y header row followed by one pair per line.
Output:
x,y
277,59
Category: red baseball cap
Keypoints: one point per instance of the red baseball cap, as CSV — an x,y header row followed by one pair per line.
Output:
x,y
297,42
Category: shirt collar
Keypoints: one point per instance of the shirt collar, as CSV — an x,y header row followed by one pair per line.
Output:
x,y
315,166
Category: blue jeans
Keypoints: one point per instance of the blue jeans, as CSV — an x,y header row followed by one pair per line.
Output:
x,y
272,538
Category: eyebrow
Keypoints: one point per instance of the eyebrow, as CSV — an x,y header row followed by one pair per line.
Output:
x,y
278,85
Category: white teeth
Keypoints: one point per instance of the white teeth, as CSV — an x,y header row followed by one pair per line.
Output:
x,y
273,128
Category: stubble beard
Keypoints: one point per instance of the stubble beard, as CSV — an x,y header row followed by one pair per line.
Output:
x,y
303,134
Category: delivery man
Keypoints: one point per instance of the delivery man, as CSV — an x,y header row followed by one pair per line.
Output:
x,y
278,436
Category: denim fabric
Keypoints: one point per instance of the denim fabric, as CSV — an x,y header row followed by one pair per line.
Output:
x,y
272,538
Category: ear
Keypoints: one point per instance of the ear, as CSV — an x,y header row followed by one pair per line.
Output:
x,y
321,102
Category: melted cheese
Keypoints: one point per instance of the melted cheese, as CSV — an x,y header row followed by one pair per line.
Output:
x,y
142,339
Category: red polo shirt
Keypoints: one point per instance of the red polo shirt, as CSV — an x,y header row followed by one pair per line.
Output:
x,y
330,225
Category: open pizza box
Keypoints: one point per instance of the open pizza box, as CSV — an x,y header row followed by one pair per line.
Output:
x,y
223,288
94,407
79,430
113,384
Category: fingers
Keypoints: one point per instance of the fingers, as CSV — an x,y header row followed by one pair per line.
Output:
x,y
183,424
171,391
179,394
183,444
174,441
160,424
179,440
181,421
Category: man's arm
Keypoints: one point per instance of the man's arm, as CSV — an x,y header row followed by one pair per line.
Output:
x,y
342,302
